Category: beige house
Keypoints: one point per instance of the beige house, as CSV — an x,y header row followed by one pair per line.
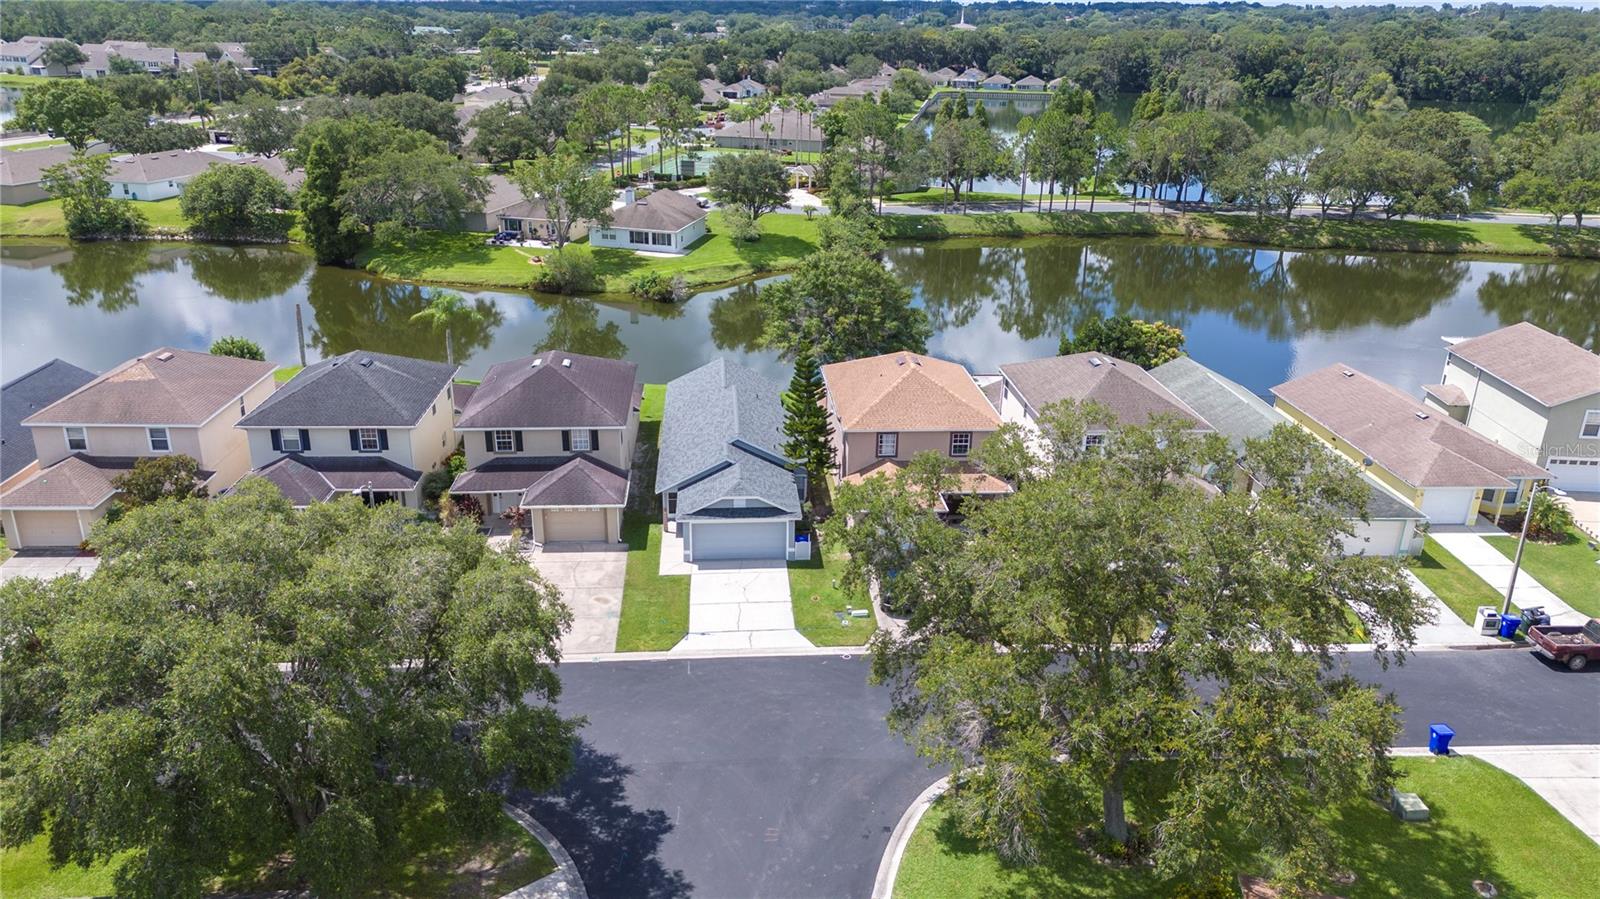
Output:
x,y
1532,392
886,409
552,435
1133,397
163,402
1445,470
364,424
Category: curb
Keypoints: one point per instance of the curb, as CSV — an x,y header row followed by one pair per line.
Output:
x,y
889,867
844,652
564,882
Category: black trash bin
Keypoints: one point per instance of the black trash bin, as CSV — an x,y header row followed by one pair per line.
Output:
x,y
1534,615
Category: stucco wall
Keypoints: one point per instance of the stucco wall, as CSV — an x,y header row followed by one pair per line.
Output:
x,y
547,442
1498,411
861,447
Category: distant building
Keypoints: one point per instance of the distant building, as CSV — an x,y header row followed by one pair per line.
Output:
x,y
855,90
777,130
663,222
22,172
1030,83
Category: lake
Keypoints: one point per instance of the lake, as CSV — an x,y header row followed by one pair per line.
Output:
x,y
1258,316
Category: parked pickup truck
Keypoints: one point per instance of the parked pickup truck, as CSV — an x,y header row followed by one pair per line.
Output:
x,y
1569,645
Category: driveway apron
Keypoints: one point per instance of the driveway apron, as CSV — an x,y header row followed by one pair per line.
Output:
x,y
590,577
740,605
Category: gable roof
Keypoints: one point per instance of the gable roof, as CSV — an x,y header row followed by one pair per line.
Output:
x,y
1418,444
907,392
554,389
972,73
721,437
313,479
1031,81
1240,415
22,396
165,386
505,198
356,389
1549,368
997,78
27,166
146,168
578,480
1126,389
664,210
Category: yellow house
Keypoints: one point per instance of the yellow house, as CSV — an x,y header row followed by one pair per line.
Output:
x,y
1440,466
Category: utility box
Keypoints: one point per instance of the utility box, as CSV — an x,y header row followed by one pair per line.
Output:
x,y
1408,807
802,547
1487,621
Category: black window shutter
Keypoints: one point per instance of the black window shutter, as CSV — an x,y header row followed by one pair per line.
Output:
x,y
355,439
517,436
305,441
277,441
566,441
488,441
383,439
594,441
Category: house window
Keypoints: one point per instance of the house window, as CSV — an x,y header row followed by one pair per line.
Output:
x,y
290,441
1591,424
960,443
505,441
888,445
159,441
639,237
367,440
1094,441
661,240
608,235
580,442
77,439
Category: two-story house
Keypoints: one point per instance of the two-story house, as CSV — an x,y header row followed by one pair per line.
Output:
x,y
1133,397
1532,392
165,401
887,409
553,435
362,423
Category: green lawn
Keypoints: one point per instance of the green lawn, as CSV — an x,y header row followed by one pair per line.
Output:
x,y
1455,584
429,859
35,144
463,258
1485,824
1568,568
816,595
940,195
44,218
284,374
12,79
655,607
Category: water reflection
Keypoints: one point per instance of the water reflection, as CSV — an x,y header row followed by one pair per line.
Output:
x,y
1259,316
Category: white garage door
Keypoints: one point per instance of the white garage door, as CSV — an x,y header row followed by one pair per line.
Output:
x,y
745,540
48,529
1575,474
1447,505
565,527
1376,538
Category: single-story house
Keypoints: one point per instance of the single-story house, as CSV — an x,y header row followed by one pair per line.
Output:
x,y
785,129
743,89
156,176
22,172
1436,463
506,209
970,79
1535,393
855,90
22,396
1055,83
1029,83
727,490
1392,527
996,82
942,77
662,222
711,92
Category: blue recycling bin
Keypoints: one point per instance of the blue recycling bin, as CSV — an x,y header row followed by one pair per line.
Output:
x,y
1439,738
1509,624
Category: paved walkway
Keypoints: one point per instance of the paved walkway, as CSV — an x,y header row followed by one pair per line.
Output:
x,y
734,605
1567,777
1487,562
1446,629
47,567
590,577
1585,508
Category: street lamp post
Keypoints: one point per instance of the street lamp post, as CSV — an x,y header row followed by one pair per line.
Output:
x,y
1516,564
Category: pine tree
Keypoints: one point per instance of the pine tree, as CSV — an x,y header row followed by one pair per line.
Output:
x,y
805,422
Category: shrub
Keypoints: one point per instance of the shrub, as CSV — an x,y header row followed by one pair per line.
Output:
x,y
1551,520
434,484
740,225
657,287
238,347
567,270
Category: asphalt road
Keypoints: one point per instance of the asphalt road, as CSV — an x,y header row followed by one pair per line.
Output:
x,y
776,777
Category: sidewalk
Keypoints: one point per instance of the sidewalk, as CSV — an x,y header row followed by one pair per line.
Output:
x,y
1468,545
1567,777
1446,628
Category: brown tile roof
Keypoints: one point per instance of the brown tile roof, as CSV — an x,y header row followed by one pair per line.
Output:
x,y
554,389
907,392
1547,367
546,481
664,210
163,387
1420,445
1126,389
313,479
77,482
1449,394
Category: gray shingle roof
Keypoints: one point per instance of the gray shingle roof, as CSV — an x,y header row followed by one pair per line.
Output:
x,y
315,479
554,389
165,386
1240,415
1126,389
24,395
356,389
27,166
721,437
548,480
664,210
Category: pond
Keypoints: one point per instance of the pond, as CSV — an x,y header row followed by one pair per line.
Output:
x,y
1258,316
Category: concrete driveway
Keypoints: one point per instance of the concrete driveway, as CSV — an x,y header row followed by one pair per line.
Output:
x,y
590,577
45,567
1585,511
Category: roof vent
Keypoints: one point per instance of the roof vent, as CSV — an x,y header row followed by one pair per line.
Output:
x,y
335,363
1347,373
900,359
566,363
1421,416
536,361
1095,361
366,362
164,356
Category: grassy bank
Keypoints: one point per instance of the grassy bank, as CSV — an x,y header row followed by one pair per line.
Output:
x,y
1486,824
45,219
